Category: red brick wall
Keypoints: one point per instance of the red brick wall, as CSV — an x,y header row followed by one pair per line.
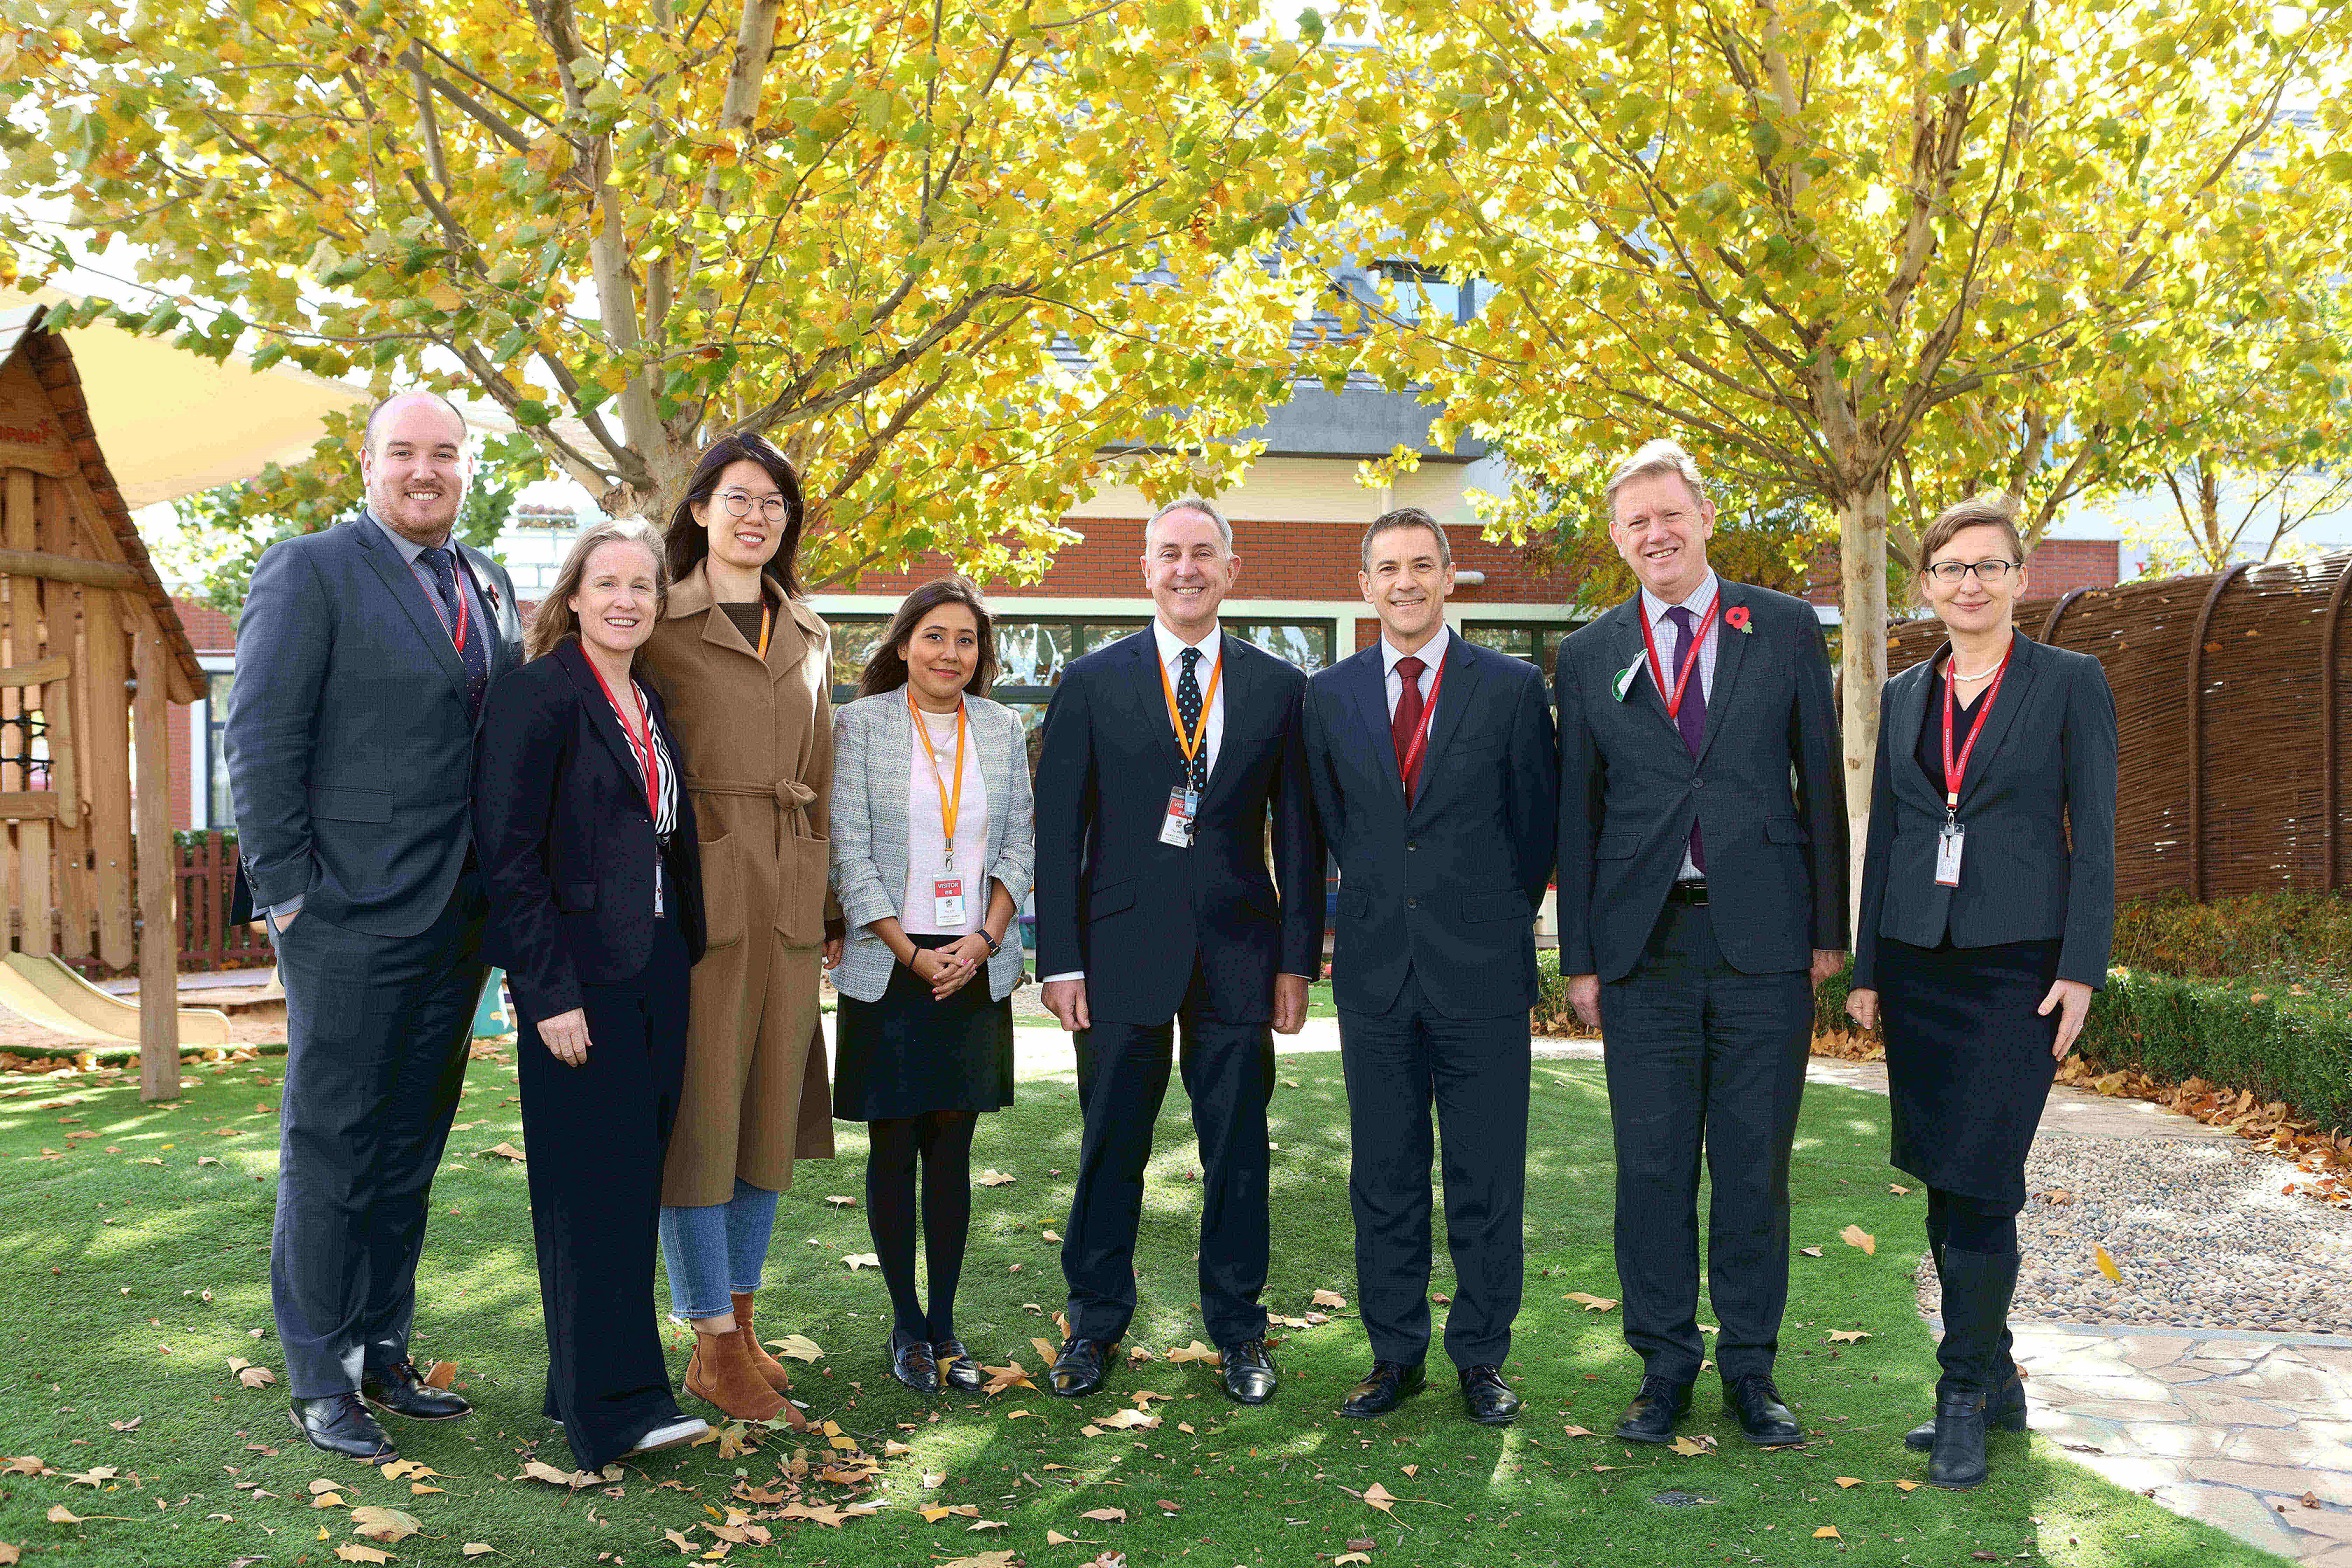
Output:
x,y
1284,560
209,631
2063,565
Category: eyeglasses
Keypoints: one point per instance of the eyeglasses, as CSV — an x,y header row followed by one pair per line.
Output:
x,y
1986,571
739,504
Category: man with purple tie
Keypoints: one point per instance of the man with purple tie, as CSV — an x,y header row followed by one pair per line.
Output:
x,y
1702,866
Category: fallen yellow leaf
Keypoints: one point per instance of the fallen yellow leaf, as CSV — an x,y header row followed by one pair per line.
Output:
x,y
1590,1302
1849,1480
1380,1497
2100,1256
1828,1532
1856,1236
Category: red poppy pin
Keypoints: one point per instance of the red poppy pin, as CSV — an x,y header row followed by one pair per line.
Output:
x,y
1737,619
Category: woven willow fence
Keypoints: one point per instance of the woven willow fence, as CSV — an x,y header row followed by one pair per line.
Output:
x,y
2230,693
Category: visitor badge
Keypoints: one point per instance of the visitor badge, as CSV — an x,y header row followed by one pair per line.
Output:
x,y
1948,841
1183,806
947,902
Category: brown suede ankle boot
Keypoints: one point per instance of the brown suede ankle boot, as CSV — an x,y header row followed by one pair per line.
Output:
x,y
721,1372
770,1368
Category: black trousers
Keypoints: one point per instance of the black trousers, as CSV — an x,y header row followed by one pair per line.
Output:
x,y
1475,1072
597,1135
1703,1059
1122,1078
376,1034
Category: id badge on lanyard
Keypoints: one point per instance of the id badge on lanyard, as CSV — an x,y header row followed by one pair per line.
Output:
x,y
1949,840
1183,807
947,902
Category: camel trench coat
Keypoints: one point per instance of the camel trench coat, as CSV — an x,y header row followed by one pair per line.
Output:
x,y
757,738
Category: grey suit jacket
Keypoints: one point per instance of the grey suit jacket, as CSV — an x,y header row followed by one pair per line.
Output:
x,y
1767,790
2038,805
350,743
873,753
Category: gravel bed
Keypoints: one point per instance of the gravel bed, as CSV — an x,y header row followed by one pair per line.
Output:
x,y
2199,1231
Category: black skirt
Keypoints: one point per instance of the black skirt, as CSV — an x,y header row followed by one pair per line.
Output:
x,y
1968,1060
908,1054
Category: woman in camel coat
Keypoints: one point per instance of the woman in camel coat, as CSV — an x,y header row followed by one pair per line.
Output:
x,y
744,667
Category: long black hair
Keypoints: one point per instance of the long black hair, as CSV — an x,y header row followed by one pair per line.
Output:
x,y
886,666
686,541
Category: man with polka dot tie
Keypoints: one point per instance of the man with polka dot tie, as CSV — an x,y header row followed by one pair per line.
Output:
x,y
1171,761
1435,778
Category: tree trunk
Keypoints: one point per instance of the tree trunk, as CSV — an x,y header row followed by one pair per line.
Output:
x,y
1862,665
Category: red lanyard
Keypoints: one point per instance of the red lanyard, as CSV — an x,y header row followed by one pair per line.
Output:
x,y
1410,762
648,759
1954,772
1690,665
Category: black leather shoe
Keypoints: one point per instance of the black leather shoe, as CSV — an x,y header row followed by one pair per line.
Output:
x,y
1651,1416
1250,1378
340,1424
911,1363
398,1389
1389,1384
1488,1398
1764,1420
1081,1367
957,1369
2006,1410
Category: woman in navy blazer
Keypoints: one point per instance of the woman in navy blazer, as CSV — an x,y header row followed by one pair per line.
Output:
x,y
1988,911
586,838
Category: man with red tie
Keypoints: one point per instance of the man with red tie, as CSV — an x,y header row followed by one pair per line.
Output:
x,y
1702,897
1434,771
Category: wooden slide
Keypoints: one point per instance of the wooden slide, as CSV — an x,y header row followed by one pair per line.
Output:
x,y
44,991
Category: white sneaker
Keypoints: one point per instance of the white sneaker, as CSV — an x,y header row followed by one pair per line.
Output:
x,y
672,1434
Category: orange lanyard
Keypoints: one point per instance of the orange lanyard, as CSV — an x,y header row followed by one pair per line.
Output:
x,y
1192,744
648,759
767,624
1658,671
1956,771
950,806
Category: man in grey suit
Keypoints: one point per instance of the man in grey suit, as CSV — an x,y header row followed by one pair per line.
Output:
x,y
1702,896
362,656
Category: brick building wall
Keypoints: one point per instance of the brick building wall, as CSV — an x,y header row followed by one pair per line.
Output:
x,y
1279,560
209,632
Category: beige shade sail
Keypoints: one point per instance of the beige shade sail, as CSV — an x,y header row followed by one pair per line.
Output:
x,y
173,423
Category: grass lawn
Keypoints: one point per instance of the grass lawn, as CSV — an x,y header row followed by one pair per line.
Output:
x,y
135,1267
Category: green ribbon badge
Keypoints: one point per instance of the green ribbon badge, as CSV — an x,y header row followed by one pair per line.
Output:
x,y
1625,679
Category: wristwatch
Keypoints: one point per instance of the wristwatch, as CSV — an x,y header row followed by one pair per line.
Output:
x,y
994,946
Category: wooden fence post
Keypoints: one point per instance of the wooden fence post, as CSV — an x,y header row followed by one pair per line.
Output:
x,y
159,941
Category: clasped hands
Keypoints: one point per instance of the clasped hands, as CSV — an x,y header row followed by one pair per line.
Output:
x,y
946,970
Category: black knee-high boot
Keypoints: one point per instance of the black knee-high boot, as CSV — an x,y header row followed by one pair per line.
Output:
x,y
2006,1408
1977,1288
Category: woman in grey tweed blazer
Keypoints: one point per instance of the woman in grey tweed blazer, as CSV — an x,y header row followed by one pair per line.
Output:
x,y
933,842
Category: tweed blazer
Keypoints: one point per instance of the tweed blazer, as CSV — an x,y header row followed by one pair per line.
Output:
x,y
873,753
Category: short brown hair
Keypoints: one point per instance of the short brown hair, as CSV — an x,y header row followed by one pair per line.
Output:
x,y
1993,509
1407,517
886,666
553,621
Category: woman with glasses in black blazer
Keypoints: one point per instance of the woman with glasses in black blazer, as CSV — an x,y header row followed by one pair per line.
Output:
x,y
1988,911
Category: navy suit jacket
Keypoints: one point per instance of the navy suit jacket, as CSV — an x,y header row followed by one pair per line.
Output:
x,y
566,841
2038,804
350,742
1138,915
1447,887
1767,790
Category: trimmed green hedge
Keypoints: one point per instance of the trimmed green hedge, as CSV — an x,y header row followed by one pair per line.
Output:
x,y
2305,936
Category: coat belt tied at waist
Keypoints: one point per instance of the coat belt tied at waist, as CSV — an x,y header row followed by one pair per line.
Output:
x,y
788,794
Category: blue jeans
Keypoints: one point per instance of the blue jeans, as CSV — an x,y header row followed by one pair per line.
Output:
x,y
717,1250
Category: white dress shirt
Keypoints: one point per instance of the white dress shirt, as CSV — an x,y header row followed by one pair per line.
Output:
x,y
1668,637
1212,648
1432,657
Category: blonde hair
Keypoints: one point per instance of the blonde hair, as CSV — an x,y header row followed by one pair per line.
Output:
x,y
553,621
1656,457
